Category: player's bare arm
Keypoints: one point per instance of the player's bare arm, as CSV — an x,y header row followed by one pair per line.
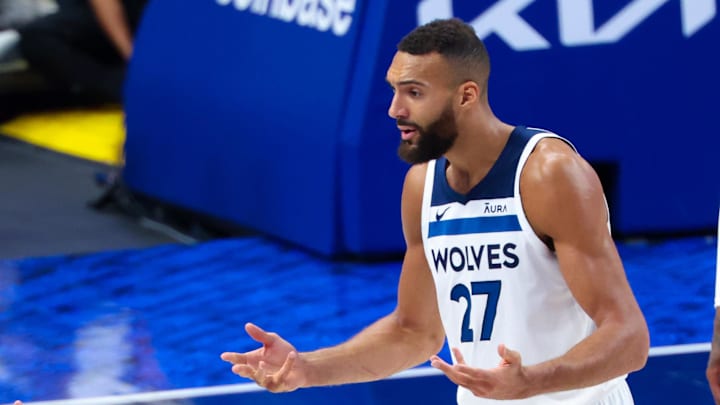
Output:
x,y
713,367
405,338
564,202
111,17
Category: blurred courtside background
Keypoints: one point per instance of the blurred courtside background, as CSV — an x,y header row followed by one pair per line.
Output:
x,y
260,183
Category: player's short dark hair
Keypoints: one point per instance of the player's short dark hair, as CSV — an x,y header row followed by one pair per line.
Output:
x,y
457,42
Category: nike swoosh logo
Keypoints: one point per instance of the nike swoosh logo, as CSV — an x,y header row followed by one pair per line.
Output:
x,y
439,215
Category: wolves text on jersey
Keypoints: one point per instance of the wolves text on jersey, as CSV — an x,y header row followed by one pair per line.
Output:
x,y
476,257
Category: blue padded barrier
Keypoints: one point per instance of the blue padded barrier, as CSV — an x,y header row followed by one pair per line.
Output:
x,y
273,114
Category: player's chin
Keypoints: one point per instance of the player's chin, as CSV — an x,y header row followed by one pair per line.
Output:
x,y
409,152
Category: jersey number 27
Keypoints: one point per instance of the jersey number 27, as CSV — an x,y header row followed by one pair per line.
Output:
x,y
489,288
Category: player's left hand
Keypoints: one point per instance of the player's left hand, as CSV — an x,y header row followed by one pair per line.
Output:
x,y
508,380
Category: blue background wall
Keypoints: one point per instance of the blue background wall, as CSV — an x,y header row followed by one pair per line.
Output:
x,y
235,114
282,127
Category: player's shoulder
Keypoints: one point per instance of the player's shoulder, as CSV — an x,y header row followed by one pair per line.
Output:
x,y
559,188
415,176
414,184
553,159
412,197
555,176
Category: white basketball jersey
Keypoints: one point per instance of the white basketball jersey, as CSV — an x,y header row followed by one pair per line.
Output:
x,y
496,281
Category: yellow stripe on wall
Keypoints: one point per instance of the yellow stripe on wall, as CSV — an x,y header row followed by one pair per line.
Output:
x,y
97,134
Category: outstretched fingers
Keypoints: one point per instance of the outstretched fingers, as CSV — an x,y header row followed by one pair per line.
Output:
x,y
440,364
270,366
252,357
234,358
509,357
244,370
259,335
257,374
474,379
278,381
260,375
455,373
458,355
263,377
287,366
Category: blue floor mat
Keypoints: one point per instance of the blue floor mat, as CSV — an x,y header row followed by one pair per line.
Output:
x,y
158,318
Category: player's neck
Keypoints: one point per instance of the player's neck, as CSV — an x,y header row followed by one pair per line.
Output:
x,y
478,146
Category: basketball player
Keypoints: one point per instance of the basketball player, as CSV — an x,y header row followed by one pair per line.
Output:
x,y
507,228
713,368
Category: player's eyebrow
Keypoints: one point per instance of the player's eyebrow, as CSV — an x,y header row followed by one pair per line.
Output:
x,y
406,82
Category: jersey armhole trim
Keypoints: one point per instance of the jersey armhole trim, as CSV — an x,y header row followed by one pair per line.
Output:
x,y
522,217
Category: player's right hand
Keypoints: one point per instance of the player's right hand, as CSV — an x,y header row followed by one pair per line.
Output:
x,y
275,366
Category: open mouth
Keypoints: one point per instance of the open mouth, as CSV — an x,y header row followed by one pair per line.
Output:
x,y
407,133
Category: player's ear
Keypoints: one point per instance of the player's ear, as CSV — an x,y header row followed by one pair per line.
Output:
x,y
469,93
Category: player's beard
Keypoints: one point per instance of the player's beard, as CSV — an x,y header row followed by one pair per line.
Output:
x,y
430,142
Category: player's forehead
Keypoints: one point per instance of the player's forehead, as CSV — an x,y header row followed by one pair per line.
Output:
x,y
427,69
